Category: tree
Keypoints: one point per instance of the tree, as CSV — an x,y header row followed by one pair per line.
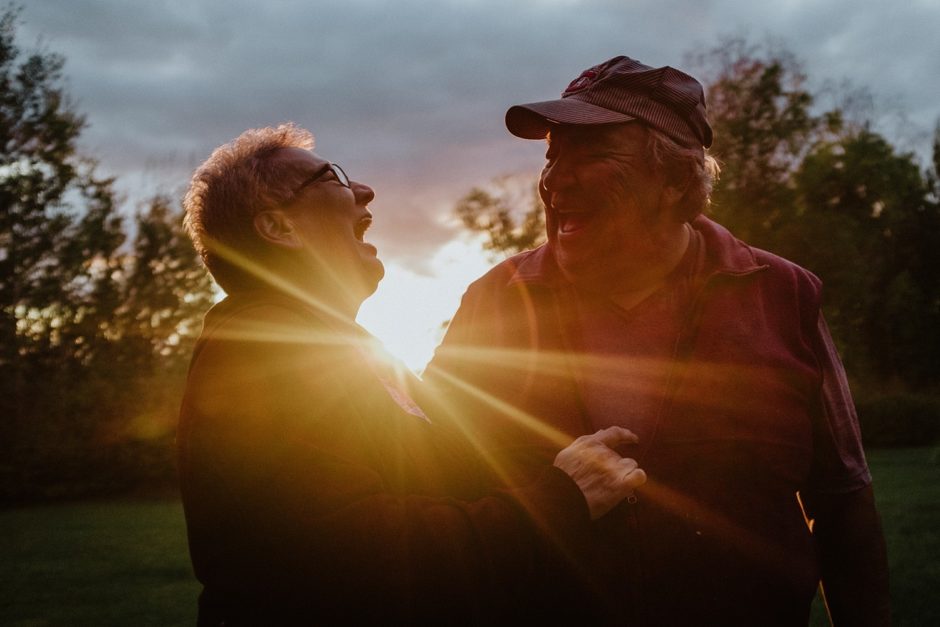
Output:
x,y
865,225
760,111
508,212
58,235
166,291
93,339
163,293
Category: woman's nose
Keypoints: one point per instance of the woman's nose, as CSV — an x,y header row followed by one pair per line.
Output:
x,y
363,193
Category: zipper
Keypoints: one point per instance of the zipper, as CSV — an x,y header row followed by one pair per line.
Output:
x,y
685,341
637,561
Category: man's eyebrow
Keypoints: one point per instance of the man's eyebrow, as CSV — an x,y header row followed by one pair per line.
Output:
x,y
313,177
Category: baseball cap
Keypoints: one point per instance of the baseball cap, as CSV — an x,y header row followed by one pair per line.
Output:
x,y
622,90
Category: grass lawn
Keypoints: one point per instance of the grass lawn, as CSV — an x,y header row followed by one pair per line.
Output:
x,y
96,564
125,562
907,489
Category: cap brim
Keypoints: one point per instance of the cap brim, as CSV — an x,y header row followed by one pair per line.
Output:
x,y
531,121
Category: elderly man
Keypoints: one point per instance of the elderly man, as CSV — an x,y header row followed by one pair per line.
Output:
x,y
316,490
641,312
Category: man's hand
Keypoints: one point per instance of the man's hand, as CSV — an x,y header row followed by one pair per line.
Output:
x,y
603,475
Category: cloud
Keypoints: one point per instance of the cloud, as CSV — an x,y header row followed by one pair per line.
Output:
x,y
409,96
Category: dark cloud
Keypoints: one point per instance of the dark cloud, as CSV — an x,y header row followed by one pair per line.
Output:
x,y
410,96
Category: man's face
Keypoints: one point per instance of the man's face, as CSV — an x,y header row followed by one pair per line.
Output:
x,y
331,220
602,201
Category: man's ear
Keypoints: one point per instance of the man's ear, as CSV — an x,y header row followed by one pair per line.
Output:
x,y
675,186
276,227
670,197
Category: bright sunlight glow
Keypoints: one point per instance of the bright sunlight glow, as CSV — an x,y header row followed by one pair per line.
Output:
x,y
408,311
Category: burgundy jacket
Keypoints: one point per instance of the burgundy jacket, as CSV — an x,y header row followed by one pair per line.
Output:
x,y
315,493
756,409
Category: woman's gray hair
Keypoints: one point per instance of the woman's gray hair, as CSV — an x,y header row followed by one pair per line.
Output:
x,y
233,185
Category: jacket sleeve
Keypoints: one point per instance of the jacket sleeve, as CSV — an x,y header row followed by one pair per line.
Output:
x,y
294,488
848,535
839,463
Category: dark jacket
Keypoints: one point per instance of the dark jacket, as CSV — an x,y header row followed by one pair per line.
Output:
x,y
315,493
756,409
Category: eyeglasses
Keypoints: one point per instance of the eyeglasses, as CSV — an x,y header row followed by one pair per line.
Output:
x,y
337,171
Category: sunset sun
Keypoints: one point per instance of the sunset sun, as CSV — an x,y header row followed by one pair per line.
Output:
x,y
409,311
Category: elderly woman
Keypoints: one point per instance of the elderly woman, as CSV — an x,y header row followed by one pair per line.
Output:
x,y
315,487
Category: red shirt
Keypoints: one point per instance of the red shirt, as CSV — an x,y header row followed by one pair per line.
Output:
x,y
738,397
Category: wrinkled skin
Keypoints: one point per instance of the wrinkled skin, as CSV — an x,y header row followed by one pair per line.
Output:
x,y
609,214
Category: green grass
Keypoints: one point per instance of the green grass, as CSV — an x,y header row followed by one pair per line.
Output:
x,y
125,563
907,490
114,563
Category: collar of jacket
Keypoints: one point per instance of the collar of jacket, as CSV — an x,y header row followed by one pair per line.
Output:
x,y
725,254
237,301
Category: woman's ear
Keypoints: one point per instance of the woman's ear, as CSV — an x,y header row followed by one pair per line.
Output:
x,y
276,227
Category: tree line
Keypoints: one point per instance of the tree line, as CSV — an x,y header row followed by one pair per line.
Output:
x,y
99,312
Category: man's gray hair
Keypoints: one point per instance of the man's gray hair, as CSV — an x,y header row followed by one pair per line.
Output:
x,y
679,162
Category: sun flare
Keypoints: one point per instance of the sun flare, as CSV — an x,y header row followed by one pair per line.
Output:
x,y
409,311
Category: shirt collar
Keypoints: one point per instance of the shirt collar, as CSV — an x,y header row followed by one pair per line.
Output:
x,y
724,253
536,267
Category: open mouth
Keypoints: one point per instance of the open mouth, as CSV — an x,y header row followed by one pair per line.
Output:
x,y
573,221
361,227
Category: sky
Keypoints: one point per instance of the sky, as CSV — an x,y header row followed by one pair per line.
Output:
x,y
409,97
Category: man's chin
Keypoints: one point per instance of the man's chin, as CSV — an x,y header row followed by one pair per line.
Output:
x,y
580,270
569,261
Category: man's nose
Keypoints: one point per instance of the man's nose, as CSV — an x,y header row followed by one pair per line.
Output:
x,y
363,193
556,176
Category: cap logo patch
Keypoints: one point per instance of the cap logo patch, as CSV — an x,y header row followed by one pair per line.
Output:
x,y
587,77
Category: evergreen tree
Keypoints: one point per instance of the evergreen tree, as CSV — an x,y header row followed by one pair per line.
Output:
x,y
166,292
58,234
93,340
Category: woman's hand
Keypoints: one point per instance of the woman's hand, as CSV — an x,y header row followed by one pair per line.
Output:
x,y
605,478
